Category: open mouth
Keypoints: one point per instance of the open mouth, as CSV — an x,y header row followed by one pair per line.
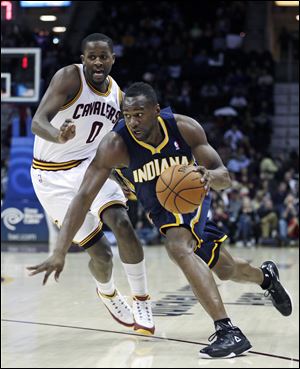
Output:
x,y
98,74
137,133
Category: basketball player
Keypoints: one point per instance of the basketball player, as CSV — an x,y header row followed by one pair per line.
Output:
x,y
150,137
82,104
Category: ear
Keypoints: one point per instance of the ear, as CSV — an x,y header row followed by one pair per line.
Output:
x,y
82,59
113,58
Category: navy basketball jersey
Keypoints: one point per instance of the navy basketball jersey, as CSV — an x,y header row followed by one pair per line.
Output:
x,y
146,165
148,162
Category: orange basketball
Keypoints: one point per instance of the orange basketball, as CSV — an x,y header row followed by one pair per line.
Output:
x,y
179,189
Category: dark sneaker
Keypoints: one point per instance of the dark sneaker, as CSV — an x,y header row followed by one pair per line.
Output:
x,y
279,295
229,343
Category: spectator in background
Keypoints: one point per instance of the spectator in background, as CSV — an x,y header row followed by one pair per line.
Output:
x,y
269,220
279,195
238,161
220,215
245,223
288,220
268,168
292,182
233,137
234,207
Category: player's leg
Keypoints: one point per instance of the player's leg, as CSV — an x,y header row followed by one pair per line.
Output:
x,y
267,276
132,257
180,247
236,269
101,264
230,341
101,267
130,248
55,191
113,213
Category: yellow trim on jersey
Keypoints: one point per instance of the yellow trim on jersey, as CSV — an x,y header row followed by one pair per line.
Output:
x,y
217,243
120,93
213,253
177,224
101,93
128,184
114,202
222,239
90,236
87,238
71,102
192,225
154,150
49,166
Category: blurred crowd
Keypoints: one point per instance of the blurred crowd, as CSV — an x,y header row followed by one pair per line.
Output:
x,y
198,66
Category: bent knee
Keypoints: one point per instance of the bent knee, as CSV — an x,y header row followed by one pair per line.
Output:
x,y
102,256
179,250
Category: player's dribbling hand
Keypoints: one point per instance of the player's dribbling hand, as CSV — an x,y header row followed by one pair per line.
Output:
x,y
67,131
55,263
206,177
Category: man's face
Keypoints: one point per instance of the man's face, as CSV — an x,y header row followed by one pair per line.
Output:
x,y
140,116
98,61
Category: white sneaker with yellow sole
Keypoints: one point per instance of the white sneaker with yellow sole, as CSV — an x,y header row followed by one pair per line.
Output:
x,y
142,313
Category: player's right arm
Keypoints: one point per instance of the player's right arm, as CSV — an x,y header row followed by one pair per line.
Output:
x,y
112,153
63,87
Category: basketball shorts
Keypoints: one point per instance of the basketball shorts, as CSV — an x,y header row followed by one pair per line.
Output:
x,y
206,233
55,189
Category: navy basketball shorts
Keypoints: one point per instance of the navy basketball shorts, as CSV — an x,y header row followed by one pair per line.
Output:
x,y
206,233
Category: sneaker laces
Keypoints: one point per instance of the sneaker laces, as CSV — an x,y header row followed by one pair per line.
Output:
x,y
220,334
143,308
217,335
116,300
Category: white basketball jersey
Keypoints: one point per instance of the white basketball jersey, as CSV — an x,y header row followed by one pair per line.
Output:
x,y
94,114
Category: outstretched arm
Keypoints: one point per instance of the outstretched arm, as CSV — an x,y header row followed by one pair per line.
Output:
x,y
215,174
111,153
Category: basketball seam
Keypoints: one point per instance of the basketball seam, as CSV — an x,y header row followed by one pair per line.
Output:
x,y
190,202
171,191
183,179
177,194
176,204
186,189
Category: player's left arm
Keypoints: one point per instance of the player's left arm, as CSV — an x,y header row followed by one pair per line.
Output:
x,y
214,173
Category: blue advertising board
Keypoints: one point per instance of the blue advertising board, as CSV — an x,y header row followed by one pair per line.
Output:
x,y
22,217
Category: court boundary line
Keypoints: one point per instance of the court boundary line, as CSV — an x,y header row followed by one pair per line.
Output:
x,y
139,335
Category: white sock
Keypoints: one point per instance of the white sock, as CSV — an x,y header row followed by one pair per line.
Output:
x,y
107,288
136,275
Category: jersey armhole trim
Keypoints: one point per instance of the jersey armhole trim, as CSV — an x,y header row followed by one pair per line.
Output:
x,y
71,102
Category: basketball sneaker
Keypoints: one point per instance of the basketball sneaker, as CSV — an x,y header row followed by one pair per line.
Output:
x,y
279,295
142,313
118,308
229,342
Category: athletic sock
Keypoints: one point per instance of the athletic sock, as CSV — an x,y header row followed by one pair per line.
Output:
x,y
223,324
107,288
136,275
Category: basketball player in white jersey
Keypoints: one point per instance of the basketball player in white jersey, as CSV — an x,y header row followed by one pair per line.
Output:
x,y
82,104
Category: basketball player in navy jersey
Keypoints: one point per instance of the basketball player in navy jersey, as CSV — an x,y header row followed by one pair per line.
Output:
x,y
150,135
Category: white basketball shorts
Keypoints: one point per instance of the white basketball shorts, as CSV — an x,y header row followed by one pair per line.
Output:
x,y
56,187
